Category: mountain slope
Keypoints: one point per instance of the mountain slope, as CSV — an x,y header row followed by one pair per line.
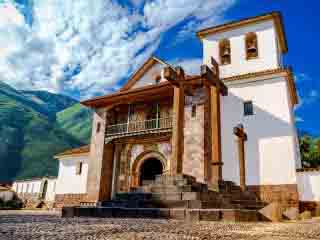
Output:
x,y
52,102
76,120
7,91
29,139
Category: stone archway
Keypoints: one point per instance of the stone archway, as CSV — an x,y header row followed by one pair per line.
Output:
x,y
152,160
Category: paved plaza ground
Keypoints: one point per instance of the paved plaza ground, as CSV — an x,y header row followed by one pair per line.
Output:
x,y
16,225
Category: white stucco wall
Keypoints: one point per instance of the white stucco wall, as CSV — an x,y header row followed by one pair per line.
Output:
x,y
51,190
269,54
27,186
68,181
149,77
309,186
35,186
271,149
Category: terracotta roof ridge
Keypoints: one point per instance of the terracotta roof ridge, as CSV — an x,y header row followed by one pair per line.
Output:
x,y
74,151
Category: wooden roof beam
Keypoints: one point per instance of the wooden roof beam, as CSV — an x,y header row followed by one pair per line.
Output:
x,y
174,76
213,78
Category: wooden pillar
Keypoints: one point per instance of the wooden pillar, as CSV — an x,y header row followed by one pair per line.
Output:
x,y
177,131
177,77
242,137
216,88
115,172
99,178
216,159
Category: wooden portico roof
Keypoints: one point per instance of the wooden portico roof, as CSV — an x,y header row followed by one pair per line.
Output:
x,y
137,94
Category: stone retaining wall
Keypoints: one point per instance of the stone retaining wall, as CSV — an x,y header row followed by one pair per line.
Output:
x,y
286,194
313,207
62,200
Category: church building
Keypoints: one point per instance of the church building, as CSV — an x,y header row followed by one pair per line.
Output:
x,y
232,123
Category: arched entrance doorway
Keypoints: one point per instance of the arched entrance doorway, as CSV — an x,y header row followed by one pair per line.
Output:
x,y
146,166
149,169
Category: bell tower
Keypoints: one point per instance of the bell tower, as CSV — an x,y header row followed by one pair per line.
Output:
x,y
251,45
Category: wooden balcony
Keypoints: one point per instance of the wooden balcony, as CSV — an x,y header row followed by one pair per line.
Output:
x,y
133,128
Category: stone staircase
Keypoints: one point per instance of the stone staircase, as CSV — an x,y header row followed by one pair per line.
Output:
x,y
180,197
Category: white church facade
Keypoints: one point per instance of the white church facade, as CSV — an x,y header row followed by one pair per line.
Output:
x,y
233,122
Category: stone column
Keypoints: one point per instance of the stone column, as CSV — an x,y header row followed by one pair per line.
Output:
x,y
100,160
216,155
176,165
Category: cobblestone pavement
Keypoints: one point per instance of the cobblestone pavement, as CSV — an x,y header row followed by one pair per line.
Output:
x,y
48,225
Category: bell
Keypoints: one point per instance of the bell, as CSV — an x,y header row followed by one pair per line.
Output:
x,y
252,48
226,52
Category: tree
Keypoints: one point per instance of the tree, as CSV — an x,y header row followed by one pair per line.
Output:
x,y
310,151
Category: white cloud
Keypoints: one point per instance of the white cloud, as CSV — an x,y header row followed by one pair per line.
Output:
x,y
314,94
102,41
308,98
299,119
137,3
301,77
190,66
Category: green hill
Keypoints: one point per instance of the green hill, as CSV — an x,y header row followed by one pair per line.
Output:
x,y
29,135
76,120
52,102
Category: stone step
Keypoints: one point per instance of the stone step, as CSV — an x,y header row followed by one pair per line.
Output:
x,y
172,203
193,215
180,195
175,180
249,204
157,188
133,196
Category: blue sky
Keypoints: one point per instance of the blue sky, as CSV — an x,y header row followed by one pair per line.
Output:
x,y
82,49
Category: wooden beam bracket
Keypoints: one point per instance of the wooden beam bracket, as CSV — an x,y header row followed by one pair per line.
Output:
x,y
213,79
175,76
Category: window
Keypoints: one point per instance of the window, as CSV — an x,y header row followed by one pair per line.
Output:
x,y
79,168
194,111
251,45
225,51
248,108
157,79
98,127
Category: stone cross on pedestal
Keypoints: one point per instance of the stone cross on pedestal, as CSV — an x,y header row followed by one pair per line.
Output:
x,y
242,137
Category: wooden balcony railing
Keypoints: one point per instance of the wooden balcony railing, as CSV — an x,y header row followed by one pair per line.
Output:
x,y
139,127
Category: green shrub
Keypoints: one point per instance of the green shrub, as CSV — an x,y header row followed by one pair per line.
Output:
x,y
13,204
